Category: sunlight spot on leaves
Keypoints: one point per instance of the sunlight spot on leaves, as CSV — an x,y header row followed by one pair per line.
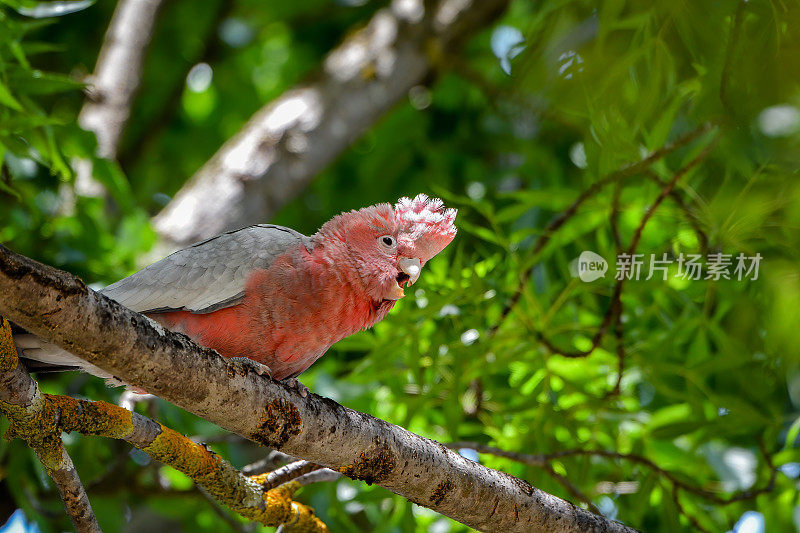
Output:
x,y
750,522
506,44
469,336
779,121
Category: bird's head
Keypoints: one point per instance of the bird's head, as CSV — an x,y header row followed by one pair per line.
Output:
x,y
389,245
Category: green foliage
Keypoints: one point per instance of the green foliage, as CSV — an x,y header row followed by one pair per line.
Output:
x,y
710,388
39,141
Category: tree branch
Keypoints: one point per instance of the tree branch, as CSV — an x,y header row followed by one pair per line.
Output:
x,y
614,309
21,396
41,422
543,460
74,495
286,143
114,82
624,172
61,309
270,462
284,474
319,476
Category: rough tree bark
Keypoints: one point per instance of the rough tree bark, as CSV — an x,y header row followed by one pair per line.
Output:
x,y
39,419
60,308
286,143
113,84
21,395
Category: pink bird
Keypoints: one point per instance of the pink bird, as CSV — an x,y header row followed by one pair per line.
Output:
x,y
275,296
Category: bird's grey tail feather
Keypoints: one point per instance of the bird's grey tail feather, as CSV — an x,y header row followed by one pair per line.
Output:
x,y
41,356
45,368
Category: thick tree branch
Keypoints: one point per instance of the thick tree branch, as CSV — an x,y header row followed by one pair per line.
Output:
x,y
60,308
20,395
114,82
286,143
118,73
41,422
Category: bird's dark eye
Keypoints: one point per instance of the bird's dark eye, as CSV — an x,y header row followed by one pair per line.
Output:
x,y
387,240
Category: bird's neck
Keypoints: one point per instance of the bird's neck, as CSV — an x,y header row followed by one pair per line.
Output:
x,y
339,267
334,261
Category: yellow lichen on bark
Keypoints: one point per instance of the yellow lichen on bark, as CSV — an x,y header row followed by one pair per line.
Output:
x,y
91,417
49,415
8,350
305,520
227,485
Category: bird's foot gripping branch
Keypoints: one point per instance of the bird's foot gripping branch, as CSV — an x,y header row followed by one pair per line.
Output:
x,y
39,419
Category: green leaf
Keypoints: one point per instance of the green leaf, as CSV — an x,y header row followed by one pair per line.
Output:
x,y
7,99
36,82
791,435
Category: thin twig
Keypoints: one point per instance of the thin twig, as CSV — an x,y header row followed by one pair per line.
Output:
x,y
285,474
621,173
692,520
273,460
571,488
220,512
614,309
319,476
736,25
543,459
620,349
676,197
613,220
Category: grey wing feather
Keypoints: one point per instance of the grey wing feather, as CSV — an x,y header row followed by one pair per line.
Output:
x,y
206,276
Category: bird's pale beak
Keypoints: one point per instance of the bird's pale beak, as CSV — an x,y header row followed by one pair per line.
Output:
x,y
409,273
412,267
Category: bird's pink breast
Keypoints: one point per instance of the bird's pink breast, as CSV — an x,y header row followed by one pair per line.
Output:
x,y
290,315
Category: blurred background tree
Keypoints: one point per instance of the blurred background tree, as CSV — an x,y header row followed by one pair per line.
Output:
x,y
670,405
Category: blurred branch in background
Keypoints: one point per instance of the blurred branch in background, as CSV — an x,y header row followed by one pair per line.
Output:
x,y
113,84
285,144
148,135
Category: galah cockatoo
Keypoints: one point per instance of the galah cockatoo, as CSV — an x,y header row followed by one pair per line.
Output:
x,y
275,296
